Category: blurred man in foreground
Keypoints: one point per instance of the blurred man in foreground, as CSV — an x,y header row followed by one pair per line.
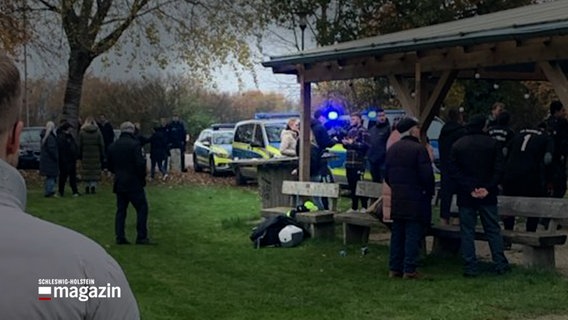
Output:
x,y
36,254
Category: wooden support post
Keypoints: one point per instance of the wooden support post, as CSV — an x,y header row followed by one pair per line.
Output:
x,y
557,78
355,234
432,106
305,117
539,257
403,94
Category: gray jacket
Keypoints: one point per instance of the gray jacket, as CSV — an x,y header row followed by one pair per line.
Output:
x,y
36,252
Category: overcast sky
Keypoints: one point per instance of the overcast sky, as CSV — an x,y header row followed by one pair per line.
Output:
x,y
225,78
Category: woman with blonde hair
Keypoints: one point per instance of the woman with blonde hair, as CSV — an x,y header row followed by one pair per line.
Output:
x,y
49,159
91,154
289,138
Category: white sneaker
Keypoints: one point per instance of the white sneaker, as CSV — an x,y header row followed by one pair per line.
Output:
x,y
165,177
363,210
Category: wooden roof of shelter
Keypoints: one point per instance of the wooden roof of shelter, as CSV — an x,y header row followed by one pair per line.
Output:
x,y
526,43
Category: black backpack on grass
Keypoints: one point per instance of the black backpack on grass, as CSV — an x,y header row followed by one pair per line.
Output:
x,y
266,233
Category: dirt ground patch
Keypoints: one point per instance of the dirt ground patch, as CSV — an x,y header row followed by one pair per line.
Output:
x,y
515,255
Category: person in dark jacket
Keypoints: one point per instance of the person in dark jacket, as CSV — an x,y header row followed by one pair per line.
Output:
x,y
356,143
450,133
321,136
91,153
378,136
176,139
316,169
476,164
530,151
107,131
557,127
410,175
496,110
323,141
49,159
158,151
129,168
68,153
502,132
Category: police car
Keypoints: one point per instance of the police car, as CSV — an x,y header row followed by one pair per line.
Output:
x,y
258,138
213,149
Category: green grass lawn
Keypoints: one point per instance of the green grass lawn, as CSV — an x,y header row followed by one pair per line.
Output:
x,y
204,267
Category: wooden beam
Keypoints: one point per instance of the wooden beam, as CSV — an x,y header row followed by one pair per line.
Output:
x,y
436,98
419,90
305,117
557,78
537,75
402,93
454,58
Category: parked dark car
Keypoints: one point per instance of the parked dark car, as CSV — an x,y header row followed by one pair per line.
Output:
x,y
30,147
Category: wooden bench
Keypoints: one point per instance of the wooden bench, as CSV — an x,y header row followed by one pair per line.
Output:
x,y
538,247
357,225
318,223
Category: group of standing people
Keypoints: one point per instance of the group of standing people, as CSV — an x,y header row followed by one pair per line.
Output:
x,y
97,149
480,160
60,152
168,141
361,145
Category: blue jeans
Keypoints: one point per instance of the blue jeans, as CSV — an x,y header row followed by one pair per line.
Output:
x,y
405,242
317,200
490,222
49,185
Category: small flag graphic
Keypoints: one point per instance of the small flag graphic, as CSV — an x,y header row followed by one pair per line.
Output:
x,y
44,291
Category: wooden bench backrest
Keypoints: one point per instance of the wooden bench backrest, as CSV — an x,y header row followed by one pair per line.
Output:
x,y
312,189
553,208
369,189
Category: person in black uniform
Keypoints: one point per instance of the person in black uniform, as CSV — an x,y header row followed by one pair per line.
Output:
x,y
450,133
501,131
557,127
529,152
129,167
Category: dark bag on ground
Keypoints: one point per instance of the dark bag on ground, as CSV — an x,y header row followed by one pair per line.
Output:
x,y
266,233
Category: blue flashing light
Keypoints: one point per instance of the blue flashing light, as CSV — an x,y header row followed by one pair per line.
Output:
x,y
372,114
332,115
276,115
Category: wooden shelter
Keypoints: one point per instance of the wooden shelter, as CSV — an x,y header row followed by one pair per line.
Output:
x,y
527,43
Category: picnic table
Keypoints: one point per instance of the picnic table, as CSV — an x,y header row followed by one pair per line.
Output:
x,y
270,174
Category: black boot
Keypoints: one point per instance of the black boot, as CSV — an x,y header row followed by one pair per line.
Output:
x,y
87,190
93,190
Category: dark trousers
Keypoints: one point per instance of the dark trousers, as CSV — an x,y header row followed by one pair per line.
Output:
x,y
68,171
447,190
327,177
530,226
161,163
138,200
490,222
377,171
353,176
405,244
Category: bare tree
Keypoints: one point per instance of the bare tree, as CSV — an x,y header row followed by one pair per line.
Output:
x,y
202,33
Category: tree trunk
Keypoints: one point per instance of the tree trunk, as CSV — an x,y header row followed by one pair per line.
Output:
x,y
79,61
